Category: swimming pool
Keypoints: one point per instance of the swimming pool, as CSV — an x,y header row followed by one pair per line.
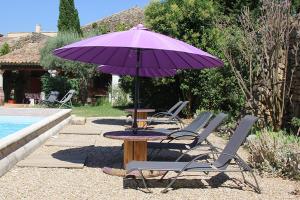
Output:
x,y
12,124
22,130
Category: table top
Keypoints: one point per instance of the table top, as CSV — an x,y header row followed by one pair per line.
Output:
x,y
139,136
140,110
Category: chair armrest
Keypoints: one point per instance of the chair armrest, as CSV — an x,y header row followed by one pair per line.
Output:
x,y
191,132
160,114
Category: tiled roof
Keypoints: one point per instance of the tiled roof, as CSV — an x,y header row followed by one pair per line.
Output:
x,y
25,50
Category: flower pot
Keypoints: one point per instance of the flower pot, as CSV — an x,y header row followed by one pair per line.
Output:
x,y
11,101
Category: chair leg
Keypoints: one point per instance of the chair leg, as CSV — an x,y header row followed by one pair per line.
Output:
x,y
163,176
144,181
171,183
256,186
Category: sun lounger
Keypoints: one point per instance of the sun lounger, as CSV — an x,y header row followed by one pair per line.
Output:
x,y
191,129
66,101
219,165
170,118
168,112
50,100
199,138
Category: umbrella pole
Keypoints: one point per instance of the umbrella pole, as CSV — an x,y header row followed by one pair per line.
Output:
x,y
136,90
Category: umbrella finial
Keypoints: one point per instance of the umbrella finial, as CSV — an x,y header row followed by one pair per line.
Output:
x,y
139,27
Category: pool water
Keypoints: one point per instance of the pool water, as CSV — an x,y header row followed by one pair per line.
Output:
x,y
12,124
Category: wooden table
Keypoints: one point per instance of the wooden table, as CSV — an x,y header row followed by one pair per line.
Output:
x,y
135,145
142,114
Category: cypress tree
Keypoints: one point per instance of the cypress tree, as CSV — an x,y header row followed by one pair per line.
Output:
x,y
68,20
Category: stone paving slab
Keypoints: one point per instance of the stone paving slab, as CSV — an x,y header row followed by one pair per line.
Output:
x,y
81,130
72,140
57,157
46,161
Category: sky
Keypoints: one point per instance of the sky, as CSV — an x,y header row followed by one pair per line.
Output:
x,y
23,15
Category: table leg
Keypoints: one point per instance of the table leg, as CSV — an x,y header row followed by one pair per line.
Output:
x,y
135,150
142,115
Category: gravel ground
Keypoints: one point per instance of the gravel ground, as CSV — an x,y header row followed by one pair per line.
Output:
x,y
91,183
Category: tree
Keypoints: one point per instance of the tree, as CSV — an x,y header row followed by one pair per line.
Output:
x,y
262,66
68,20
192,21
76,74
4,49
234,7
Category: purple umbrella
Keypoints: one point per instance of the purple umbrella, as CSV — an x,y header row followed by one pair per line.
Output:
x,y
138,48
143,72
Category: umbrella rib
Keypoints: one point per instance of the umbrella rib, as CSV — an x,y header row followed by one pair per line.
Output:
x,y
59,51
73,50
165,52
205,58
113,53
97,54
156,59
88,50
215,60
188,64
124,61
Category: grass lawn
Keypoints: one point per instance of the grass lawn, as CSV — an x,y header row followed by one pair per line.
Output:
x,y
104,110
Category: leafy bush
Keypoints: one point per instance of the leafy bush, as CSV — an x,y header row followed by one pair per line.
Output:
x,y
68,69
4,49
58,83
194,23
119,96
276,153
296,124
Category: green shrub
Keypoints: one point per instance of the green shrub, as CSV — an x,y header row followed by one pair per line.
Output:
x,y
296,124
102,101
76,72
119,96
58,83
276,153
4,49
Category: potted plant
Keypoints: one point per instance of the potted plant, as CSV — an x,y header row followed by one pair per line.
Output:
x,y
11,97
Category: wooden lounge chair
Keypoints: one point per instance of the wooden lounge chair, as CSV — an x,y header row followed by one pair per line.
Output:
x,y
221,164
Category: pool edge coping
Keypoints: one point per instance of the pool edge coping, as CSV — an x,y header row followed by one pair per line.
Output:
x,y
15,137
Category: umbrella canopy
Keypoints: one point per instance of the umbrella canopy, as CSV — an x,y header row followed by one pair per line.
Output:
x,y
144,72
119,49
138,49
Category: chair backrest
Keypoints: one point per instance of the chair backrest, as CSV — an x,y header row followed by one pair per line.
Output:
x,y
179,109
235,141
53,96
199,122
212,126
174,107
67,97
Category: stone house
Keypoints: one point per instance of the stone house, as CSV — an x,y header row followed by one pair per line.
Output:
x,y
23,61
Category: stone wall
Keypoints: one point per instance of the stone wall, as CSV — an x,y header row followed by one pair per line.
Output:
x,y
294,108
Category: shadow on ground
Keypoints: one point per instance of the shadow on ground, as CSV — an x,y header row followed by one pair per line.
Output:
x,y
112,156
119,122
107,156
217,181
